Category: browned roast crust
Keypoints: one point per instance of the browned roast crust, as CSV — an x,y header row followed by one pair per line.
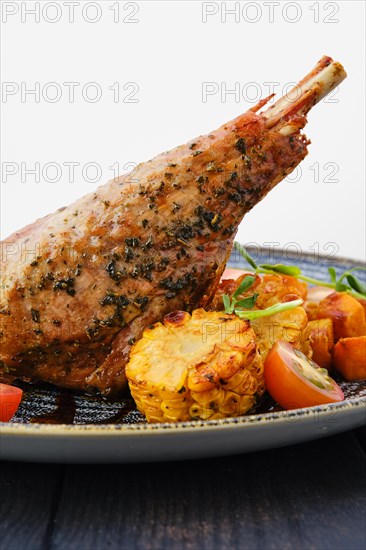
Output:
x,y
139,247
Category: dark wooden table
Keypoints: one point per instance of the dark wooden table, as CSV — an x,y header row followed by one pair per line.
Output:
x,y
309,496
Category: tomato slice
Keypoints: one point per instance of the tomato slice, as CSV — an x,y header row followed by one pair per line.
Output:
x,y
10,398
295,381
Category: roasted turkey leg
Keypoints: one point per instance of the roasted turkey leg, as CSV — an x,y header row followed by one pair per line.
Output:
x,y
79,285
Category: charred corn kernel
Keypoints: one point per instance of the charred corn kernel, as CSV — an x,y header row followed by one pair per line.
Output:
x,y
275,288
271,289
203,366
287,325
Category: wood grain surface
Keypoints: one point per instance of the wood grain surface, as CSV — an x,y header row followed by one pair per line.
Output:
x,y
309,496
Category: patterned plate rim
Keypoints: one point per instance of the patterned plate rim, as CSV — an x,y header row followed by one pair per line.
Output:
x,y
16,429
317,413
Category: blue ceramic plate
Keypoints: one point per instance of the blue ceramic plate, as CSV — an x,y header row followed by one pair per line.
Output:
x,y
56,426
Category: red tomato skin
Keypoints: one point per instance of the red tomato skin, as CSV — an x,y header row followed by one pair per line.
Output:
x,y
10,398
291,390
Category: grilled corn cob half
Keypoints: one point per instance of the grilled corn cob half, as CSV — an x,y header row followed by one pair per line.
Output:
x,y
200,366
273,289
289,326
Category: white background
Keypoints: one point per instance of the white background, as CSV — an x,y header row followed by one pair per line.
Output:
x,y
169,53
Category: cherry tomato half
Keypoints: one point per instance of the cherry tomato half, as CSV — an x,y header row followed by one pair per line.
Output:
x,y
295,381
10,397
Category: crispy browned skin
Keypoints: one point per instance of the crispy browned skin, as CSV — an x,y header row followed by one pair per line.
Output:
x,y
122,257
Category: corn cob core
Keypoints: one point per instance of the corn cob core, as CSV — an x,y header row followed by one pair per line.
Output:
x,y
204,366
